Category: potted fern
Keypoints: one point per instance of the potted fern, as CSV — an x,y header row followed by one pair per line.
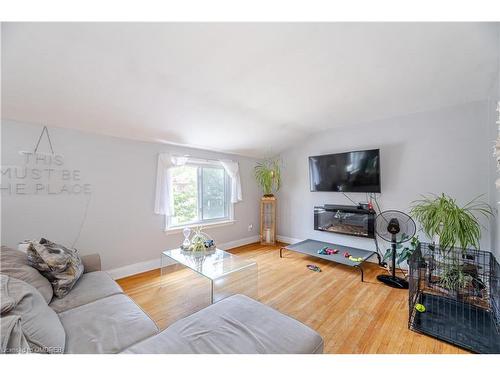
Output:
x,y
268,176
451,225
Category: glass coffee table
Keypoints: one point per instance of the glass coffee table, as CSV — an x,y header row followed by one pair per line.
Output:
x,y
228,274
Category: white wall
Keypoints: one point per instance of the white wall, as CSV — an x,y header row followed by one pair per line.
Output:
x,y
119,222
446,150
493,117
497,191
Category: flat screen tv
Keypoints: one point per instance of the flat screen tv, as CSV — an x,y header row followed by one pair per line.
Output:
x,y
349,172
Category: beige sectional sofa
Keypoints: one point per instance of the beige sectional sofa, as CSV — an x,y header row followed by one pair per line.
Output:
x,y
97,317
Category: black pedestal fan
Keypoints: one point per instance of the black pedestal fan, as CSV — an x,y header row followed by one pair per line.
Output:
x,y
395,227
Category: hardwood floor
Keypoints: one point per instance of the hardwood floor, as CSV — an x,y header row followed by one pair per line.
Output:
x,y
351,316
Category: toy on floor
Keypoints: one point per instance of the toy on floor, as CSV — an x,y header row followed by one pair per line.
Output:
x,y
419,307
314,268
328,251
353,259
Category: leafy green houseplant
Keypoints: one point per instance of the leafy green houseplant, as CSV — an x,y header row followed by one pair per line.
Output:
x,y
441,217
451,225
454,278
403,250
268,176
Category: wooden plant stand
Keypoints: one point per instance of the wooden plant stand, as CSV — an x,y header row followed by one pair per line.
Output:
x,y
268,220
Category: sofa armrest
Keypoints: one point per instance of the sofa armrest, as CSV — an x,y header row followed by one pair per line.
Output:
x,y
91,263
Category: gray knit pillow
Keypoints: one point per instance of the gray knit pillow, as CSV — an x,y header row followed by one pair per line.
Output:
x,y
60,265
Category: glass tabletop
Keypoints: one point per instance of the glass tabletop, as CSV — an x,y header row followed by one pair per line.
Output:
x,y
211,264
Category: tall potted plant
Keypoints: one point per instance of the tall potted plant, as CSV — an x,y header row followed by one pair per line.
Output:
x,y
451,225
268,176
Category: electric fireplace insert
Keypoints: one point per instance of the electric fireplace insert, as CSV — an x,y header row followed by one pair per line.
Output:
x,y
350,220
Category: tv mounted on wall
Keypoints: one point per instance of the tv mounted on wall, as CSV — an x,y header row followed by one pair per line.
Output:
x,y
348,172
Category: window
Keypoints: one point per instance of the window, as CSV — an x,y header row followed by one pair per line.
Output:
x,y
200,195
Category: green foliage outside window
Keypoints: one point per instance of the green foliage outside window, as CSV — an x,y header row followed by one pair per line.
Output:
x,y
186,190
185,194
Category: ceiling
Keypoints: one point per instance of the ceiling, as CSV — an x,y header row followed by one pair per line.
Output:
x,y
245,88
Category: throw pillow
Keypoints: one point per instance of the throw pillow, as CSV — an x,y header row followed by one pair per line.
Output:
x,y
60,265
39,324
14,263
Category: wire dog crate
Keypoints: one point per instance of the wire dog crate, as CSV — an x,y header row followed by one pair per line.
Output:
x,y
455,296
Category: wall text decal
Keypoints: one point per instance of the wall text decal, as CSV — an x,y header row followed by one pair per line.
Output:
x,y
42,174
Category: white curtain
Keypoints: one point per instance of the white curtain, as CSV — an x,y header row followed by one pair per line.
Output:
x,y
163,203
233,170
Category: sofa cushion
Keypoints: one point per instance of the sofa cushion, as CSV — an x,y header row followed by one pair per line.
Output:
x,y
60,265
237,324
89,288
107,325
12,338
7,301
14,263
91,262
39,323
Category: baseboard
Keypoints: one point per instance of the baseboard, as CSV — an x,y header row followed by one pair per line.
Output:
x,y
288,240
133,269
148,265
237,243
